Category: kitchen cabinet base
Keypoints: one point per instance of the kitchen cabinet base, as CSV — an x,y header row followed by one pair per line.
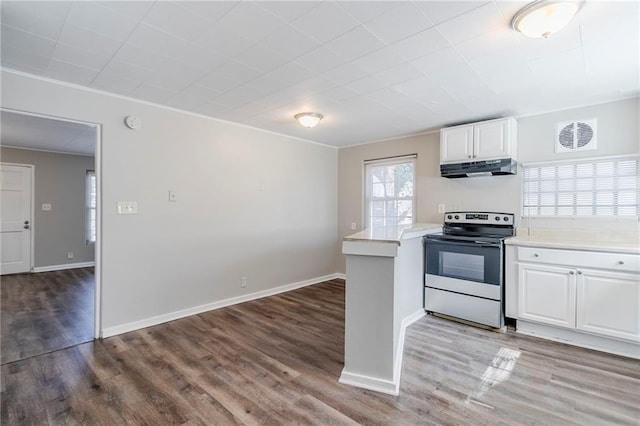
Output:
x,y
577,338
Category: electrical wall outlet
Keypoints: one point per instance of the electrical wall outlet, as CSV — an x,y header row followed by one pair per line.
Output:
x,y
243,282
173,197
70,255
353,226
127,207
441,208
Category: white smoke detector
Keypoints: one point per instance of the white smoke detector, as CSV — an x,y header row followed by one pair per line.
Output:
x,y
132,122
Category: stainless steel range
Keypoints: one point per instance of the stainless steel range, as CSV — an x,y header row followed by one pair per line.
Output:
x,y
465,266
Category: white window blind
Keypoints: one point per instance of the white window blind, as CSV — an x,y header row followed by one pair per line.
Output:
x,y
605,187
389,192
90,207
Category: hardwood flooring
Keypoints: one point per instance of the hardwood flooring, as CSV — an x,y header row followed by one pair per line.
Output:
x,y
44,312
277,361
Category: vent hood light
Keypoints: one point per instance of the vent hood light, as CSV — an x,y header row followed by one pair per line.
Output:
x,y
542,18
308,119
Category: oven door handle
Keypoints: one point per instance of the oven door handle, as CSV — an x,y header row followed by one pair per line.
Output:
x,y
464,243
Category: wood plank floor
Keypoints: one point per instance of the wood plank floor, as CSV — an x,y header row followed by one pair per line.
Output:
x,y
277,360
44,312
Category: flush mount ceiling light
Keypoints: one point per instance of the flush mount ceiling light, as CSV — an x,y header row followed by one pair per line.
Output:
x,y
542,18
308,119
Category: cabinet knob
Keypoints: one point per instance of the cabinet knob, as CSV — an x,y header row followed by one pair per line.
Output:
x,y
571,272
620,262
536,255
468,156
579,272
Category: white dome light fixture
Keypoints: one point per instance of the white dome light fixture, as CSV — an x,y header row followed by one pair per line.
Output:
x,y
542,18
308,119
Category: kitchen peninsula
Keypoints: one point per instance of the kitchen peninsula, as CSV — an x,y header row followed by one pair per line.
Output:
x,y
384,295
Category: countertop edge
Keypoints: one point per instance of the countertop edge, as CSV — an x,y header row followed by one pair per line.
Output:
x,y
413,232
367,240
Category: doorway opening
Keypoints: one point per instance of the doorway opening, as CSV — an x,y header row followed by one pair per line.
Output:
x,y
50,233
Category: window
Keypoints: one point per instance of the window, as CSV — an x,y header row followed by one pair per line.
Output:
x,y
90,207
604,187
389,191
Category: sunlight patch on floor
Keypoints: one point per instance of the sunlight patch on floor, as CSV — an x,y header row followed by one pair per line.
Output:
x,y
497,372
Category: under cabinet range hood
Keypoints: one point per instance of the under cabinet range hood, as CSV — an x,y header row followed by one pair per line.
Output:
x,y
504,166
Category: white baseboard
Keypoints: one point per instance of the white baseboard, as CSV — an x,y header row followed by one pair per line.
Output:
x,y
171,316
406,322
391,387
577,338
367,382
341,276
50,268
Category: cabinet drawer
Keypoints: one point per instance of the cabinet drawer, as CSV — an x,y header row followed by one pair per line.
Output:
x,y
585,259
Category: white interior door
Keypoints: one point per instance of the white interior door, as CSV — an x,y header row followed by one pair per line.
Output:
x,y
15,218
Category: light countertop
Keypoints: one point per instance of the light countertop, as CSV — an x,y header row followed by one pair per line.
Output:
x,y
593,240
394,234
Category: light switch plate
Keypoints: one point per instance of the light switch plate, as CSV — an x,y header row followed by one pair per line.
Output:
x,y
173,197
46,207
127,207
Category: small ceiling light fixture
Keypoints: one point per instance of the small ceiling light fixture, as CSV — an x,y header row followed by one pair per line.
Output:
x,y
308,119
542,18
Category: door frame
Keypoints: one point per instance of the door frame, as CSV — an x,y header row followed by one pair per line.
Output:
x,y
97,159
32,215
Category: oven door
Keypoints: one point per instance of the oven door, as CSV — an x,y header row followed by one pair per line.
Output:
x,y
467,267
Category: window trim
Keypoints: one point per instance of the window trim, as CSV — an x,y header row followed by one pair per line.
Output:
x,y
398,159
524,209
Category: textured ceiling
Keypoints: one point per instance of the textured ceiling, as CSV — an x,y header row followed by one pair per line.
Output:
x,y
374,69
28,131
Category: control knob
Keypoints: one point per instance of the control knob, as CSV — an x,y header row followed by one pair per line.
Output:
x,y
457,217
449,217
506,218
497,218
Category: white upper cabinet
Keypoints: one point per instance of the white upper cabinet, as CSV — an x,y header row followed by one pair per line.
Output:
x,y
493,139
486,140
456,144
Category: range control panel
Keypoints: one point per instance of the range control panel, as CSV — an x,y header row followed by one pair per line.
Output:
x,y
484,218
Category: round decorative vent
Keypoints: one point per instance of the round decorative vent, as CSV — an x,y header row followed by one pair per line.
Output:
x,y
575,135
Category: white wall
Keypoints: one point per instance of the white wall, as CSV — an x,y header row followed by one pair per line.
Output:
x,y
618,133
175,256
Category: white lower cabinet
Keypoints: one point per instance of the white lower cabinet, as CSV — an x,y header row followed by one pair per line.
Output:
x,y
586,293
547,294
608,303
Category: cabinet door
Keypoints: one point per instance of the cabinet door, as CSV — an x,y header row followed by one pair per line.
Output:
x,y
547,294
492,140
456,144
609,303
